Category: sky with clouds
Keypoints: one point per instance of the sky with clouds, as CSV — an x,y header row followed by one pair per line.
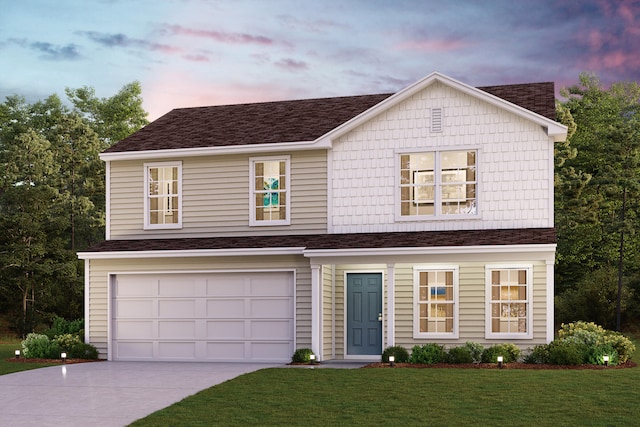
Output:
x,y
208,52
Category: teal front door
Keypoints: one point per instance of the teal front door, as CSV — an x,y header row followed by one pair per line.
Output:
x,y
364,314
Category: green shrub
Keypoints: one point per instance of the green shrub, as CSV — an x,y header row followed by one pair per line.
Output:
x,y
81,350
539,354
567,352
475,349
509,352
595,355
302,355
67,341
592,335
39,346
400,354
459,355
62,326
427,354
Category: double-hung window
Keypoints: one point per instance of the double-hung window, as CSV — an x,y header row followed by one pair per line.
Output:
x,y
269,191
438,183
163,195
436,302
508,301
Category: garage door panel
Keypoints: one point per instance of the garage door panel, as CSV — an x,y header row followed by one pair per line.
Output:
x,y
134,308
271,307
271,330
225,329
185,329
204,317
177,350
133,350
226,308
131,329
182,308
226,351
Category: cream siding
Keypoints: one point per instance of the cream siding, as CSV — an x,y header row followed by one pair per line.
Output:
x,y
215,199
515,178
328,351
98,312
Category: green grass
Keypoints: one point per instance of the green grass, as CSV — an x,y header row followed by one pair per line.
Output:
x,y
328,397
7,351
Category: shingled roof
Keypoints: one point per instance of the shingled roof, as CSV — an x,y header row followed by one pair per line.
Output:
x,y
424,239
289,121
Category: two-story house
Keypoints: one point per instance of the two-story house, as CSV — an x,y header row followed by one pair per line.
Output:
x,y
349,224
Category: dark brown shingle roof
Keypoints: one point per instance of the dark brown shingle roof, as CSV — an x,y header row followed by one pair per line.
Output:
x,y
340,241
288,121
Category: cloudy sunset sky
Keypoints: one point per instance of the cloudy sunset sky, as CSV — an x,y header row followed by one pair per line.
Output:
x,y
205,52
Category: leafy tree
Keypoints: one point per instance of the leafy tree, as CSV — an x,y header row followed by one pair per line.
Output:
x,y
600,185
52,196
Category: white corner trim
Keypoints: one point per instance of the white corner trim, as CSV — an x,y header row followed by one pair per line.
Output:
x,y
107,206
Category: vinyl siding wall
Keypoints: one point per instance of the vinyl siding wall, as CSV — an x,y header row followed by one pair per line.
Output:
x,y
515,167
99,270
215,198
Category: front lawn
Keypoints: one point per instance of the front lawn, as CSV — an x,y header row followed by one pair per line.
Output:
x,y
7,351
322,397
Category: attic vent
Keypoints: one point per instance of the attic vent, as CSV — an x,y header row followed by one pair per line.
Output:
x,y
436,119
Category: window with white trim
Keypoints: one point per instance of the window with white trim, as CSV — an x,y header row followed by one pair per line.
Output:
x,y
438,183
269,191
436,302
163,195
509,301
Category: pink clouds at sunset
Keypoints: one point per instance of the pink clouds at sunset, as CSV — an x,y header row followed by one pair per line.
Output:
x,y
195,52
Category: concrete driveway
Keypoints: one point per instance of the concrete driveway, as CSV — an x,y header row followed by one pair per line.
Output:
x,y
105,393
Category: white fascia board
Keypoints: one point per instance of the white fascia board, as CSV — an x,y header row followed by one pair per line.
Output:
x,y
215,151
554,129
191,253
435,250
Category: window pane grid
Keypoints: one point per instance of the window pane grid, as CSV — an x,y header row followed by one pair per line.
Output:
x,y
163,195
270,190
509,304
436,304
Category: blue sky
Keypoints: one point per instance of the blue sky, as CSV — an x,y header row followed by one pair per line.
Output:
x,y
206,52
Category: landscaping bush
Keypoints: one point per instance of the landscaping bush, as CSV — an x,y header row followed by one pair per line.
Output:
x,y
595,355
509,352
567,352
459,355
75,347
62,326
593,336
427,354
475,349
539,354
302,355
39,346
400,354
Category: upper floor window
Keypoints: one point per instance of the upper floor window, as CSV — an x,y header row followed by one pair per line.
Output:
x,y
436,299
269,191
163,195
508,302
438,183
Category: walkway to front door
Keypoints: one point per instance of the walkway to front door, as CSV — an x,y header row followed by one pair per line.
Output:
x,y
364,314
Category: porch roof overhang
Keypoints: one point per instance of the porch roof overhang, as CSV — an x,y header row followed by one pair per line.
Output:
x,y
333,245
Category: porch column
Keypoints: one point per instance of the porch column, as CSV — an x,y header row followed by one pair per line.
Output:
x,y
316,310
391,305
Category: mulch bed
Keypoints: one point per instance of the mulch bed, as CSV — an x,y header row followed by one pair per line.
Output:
x,y
495,366
53,361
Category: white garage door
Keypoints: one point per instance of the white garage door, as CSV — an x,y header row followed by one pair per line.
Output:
x,y
231,317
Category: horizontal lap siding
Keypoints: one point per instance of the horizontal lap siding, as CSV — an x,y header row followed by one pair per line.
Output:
x,y
98,316
215,198
327,311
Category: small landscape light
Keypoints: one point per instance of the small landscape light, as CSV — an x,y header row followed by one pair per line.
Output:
x,y
312,359
63,356
392,361
500,360
605,358
17,353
